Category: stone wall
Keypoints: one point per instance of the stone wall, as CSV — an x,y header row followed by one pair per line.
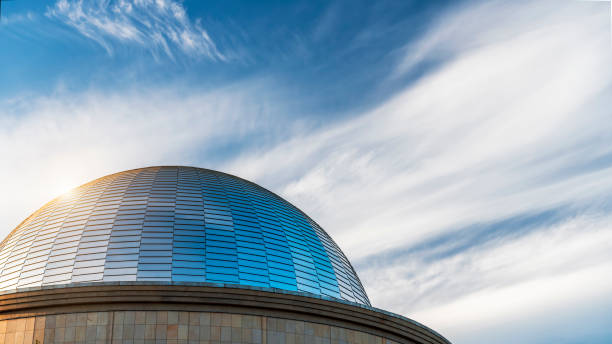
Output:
x,y
173,327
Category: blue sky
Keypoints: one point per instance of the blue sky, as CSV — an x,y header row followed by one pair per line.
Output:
x,y
460,152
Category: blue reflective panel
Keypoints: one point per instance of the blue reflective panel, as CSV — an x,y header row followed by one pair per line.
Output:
x,y
220,250
218,218
251,270
221,263
189,257
261,279
251,251
309,289
162,249
154,240
285,286
148,233
221,278
143,266
187,250
183,215
158,253
218,226
153,215
189,244
305,275
250,239
164,220
156,230
188,238
220,270
276,257
330,292
216,234
188,264
254,261
216,241
196,223
194,233
282,279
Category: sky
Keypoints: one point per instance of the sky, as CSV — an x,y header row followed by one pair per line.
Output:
x,y
459,152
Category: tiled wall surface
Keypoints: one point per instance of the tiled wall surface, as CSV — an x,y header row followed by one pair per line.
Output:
x,y
140,327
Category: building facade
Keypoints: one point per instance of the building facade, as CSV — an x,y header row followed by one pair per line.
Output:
x,y
183,255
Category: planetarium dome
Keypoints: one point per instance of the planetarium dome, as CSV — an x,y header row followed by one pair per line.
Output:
x,y
176,225
182,255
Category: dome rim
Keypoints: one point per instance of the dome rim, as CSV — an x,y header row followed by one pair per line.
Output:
x,y
286,298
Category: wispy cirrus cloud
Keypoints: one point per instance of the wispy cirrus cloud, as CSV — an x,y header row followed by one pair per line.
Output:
x,y
159,26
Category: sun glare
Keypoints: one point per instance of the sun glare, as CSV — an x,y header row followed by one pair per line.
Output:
x,y
65,191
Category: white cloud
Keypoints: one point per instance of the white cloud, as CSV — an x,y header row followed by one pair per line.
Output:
x,y
160,26
502,278
565,307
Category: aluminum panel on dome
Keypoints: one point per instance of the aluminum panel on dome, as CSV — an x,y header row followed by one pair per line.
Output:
x,y
176,224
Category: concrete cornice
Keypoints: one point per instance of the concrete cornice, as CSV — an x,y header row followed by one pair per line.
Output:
x,y
202,297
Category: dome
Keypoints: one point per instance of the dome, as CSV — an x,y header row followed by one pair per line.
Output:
x,y
176,225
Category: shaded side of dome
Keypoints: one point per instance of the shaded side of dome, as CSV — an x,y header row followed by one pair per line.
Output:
x,y
176,224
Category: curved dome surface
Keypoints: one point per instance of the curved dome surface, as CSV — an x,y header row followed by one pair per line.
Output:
x,y
176,224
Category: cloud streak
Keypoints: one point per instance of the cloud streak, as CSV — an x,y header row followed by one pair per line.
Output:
x,y
160,26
